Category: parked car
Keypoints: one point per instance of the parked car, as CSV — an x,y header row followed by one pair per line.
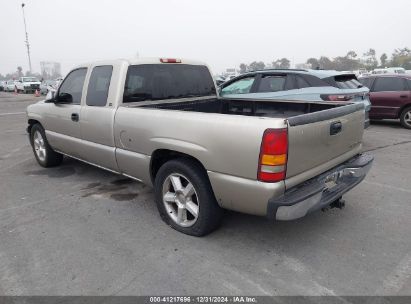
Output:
x,y
46,85
390,96
27,84
160,121
392,70
10,85
2,85
306,85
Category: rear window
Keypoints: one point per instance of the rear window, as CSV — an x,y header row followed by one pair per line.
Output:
x,y
347,82
166,81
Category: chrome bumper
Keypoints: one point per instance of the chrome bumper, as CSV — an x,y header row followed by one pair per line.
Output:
x,y
320,191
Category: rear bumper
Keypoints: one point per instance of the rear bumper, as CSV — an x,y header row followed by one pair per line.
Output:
x,y
320,191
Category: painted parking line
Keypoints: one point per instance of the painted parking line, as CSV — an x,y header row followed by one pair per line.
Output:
x,y
12,113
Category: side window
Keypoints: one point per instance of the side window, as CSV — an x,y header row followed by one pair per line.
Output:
x,y
98,86
302,83
271,83
389,84
73,85
241,86
409,84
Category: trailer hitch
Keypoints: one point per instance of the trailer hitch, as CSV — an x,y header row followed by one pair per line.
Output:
x,y
338,203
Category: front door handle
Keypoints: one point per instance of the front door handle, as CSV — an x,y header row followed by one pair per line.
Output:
x,y
75,117
403,96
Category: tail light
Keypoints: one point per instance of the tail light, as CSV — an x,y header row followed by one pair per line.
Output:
x,y
273,156
327,97
170,60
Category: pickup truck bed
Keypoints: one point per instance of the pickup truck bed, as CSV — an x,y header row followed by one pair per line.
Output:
x,y
262,108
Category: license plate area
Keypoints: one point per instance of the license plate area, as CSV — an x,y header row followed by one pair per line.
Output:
x,y
331,180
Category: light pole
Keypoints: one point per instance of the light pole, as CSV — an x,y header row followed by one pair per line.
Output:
x,y
27,36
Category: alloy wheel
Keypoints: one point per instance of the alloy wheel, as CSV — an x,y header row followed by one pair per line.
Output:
x,y
39,146
180,200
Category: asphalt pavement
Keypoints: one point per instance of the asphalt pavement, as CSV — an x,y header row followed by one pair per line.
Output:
x,y
79,230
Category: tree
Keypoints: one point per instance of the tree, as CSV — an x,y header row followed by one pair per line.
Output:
x,y
256,66
351,55
19,71
371,61
282,63
401,58
314,63
383,60
243,68
325,63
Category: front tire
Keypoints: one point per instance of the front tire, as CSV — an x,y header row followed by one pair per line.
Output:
x,y
45,155
405,118
185,199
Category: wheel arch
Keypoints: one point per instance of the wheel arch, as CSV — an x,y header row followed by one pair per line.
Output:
x,y
160,156
407,105
31,123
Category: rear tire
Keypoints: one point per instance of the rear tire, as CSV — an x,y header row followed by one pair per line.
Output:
x,y
185,199
405,118
45,155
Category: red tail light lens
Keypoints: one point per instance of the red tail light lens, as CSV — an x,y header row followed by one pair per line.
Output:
x,y
327,97
273,156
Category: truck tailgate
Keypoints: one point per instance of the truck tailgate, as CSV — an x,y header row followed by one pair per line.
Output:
x,y
316,139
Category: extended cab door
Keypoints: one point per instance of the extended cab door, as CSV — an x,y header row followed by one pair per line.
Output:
x,y
97,118
388,95
62,117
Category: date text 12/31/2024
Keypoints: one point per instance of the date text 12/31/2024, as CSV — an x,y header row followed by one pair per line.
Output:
x,y
203,299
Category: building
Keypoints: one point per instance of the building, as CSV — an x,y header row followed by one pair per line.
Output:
x,y
50,69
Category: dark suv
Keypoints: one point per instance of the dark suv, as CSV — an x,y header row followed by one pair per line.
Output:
x,y
390,97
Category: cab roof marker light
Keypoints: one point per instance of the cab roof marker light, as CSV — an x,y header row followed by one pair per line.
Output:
x,y
170,60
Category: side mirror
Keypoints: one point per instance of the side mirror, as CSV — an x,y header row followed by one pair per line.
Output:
x,y
50,97
63,98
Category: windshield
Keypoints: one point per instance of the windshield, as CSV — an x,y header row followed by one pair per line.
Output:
x,y
166,81
30,79
49,82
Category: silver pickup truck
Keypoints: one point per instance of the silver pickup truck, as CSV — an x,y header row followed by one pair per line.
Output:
x,y
161,122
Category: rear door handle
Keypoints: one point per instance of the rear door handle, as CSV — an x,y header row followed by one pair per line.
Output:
x,y
403,96
75,117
